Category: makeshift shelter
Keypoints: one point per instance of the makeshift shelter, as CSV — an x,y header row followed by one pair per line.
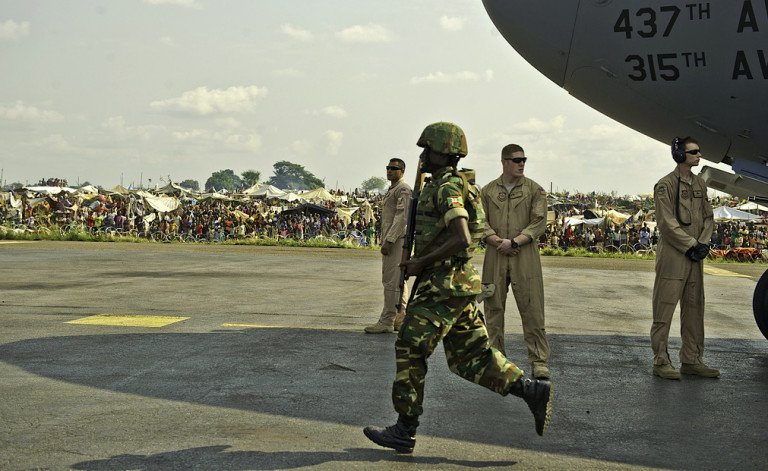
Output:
x,y
308,208
49,190
319,194
725,214
163,204
119,189
752,206
173,189
264,191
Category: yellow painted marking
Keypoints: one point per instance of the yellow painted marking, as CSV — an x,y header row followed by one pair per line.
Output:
x,y
128,321
710,270
286,327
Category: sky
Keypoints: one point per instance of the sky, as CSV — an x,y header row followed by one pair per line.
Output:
x,y
135,92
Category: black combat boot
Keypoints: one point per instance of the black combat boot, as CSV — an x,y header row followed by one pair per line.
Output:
x,y
538,395
398,436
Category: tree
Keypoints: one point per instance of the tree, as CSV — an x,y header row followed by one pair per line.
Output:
x,y
190,185
293,176
224,179
251,177
374,183
13,186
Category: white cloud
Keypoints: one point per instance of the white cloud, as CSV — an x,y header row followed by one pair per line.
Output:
x,y
335,111
452,23
202,101
371,33
179,3
21,112
334,141
10,30
296,33
464,76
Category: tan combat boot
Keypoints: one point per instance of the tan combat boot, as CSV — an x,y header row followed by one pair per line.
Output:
x,y
666,371
379,328
699,369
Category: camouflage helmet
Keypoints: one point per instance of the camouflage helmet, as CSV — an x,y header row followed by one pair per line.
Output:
x,y
446,138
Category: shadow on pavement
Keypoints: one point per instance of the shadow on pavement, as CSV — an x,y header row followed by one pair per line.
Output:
x,y
607,404
216,457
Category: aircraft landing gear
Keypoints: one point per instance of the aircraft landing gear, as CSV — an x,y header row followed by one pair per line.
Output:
x,y
760,304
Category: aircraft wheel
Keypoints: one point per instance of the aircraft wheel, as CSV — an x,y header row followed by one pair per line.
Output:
x,y
760,304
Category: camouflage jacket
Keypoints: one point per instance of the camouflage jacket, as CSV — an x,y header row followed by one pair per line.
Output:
x,y
448,195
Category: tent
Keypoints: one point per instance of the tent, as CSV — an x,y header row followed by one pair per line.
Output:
x,y
163,204
308,208
119,189
319,194
265,191
725,214
751,206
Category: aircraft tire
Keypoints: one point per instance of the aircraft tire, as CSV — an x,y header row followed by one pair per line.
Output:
x,y
760,304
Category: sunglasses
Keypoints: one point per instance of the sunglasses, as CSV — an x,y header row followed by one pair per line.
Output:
x,y
693,151
516,160
393,168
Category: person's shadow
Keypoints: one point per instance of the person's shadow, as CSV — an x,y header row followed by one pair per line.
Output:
x,y
216,457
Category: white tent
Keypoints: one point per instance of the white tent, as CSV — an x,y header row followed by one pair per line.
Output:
x,y
291,197
49,190
724,214
319,194
751,206
265,191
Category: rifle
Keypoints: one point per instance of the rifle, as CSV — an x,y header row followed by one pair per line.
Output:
x,y
409,233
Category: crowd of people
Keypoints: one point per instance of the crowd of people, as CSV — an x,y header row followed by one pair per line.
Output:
x,y
218,220
203,218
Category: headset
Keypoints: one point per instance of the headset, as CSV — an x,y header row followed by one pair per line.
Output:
x,y
678,153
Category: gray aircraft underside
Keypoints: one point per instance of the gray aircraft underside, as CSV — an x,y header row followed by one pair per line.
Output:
x,y
663,68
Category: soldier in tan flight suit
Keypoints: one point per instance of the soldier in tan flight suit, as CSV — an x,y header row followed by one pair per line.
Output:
x,y
684,217
516,212
394,216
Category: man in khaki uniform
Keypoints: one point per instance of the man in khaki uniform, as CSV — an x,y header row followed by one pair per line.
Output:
x,y
684,217
394,216
516,212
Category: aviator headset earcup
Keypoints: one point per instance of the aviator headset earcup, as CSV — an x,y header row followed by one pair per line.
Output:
x,y
677,153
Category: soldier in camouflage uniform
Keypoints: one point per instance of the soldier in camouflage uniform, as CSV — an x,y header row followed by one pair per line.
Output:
x,y
449,222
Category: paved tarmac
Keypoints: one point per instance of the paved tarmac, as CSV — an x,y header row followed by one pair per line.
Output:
x,y
121,356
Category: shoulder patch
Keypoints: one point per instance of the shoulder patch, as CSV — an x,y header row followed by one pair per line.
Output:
x,y
543,191
405,190
661,190
455,201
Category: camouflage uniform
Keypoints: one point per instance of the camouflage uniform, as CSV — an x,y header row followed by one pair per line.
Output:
x,y
444,306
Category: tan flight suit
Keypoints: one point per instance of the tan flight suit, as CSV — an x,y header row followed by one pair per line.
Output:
x,y
678,278
521,211
394,216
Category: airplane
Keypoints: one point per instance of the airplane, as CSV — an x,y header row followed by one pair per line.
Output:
x,y
665,68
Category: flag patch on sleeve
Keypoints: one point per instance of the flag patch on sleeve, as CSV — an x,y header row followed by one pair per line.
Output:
x,y
455,201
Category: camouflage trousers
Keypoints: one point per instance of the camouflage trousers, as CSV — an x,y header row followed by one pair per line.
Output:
x,y
456,321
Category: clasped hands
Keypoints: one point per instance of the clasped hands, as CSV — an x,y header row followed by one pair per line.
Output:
x,y
698,252
508,247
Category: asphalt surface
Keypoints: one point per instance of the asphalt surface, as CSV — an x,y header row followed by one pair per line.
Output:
x,y
119,356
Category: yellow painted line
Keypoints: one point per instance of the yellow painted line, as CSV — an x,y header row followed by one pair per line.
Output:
x,y
286,327
710,270
128,321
